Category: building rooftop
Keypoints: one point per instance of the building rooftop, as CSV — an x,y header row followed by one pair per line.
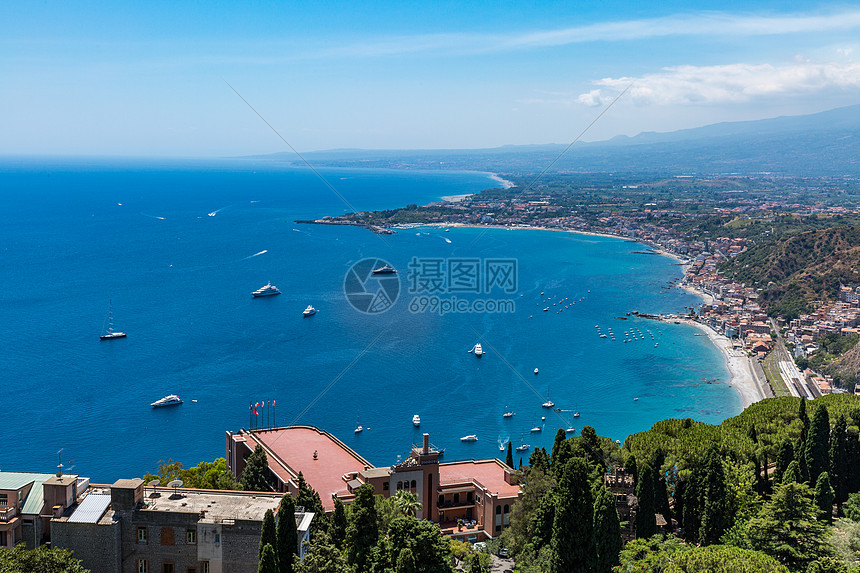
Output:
x,y
489,473
36,498
216,506
295,446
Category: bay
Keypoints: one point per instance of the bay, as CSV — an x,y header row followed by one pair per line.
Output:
x,y
177,246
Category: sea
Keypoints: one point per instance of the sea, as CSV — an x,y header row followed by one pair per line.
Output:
x,y
172,250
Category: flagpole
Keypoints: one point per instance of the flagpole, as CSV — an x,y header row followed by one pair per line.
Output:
x,y
250,416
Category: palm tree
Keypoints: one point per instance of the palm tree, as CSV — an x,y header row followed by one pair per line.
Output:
x,y
407,502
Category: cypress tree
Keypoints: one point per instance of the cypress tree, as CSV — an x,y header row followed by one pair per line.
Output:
x,y
824,496
800,458
631,468
818,444
839,461
784,457
287,535
362,533
792,473
509,459
661,492
256,468
715,515
573,547
560,438
752,434
539,459
338,524
406,562
646,521
542,522
804,420
268,563
607,531
267,532
309,499
588,439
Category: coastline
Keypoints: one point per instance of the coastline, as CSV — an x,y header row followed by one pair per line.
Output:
x,y
495,177
740,366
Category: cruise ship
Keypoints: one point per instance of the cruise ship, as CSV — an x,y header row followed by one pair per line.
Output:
x,y
171,400
385,270
267,290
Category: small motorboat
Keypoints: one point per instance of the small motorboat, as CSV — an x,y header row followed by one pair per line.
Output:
x,y
416,420
171,400
469,438
536,371
309,311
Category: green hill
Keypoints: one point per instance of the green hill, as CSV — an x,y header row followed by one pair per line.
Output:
x,y
794,271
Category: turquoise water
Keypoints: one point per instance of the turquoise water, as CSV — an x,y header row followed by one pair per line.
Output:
x,y
77,235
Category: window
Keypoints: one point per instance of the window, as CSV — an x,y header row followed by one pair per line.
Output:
x,y
385,486
4,499
414,484
142,566
217,538
498,510
167,568
142,536
191,570
456,499
399,485
204,567
191,536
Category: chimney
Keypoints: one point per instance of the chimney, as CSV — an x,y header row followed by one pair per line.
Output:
x,y
426,449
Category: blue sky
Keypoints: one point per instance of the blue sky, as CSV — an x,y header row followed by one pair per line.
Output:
x,y
148,79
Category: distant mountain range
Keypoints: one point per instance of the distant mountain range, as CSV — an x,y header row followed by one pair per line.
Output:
x,y
821,144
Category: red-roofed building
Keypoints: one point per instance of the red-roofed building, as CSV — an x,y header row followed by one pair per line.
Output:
x,y
470,499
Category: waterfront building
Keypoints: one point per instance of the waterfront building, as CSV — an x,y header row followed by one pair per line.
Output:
x,y
471,500
129,527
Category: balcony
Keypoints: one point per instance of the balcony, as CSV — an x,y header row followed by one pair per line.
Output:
x,y
7,513
450,504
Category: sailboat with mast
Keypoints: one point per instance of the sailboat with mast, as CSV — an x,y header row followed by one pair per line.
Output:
x,y
111,334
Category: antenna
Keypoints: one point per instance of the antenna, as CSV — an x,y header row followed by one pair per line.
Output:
x,y
175,484
60,463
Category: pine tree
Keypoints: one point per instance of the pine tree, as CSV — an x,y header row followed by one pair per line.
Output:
x,y
362,532
406,562
646,522
839,469
338,523
267,532
287,534
818,444
573,547
268,563
824,496
784,457
256,470
509,459
607,531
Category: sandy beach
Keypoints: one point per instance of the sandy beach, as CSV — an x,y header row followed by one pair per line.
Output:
x,y
740,365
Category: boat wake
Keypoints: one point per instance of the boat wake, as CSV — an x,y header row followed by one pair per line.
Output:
x,y
153,216
263,252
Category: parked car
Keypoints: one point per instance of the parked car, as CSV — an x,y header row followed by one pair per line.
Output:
x,y
503,552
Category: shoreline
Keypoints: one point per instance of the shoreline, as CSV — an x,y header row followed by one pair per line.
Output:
x,y
494,176
739,365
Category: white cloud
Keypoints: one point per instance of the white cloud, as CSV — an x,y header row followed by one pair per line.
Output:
x,y
716,24
728,83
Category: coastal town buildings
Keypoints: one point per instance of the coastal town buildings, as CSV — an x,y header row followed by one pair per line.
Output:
x,y
28,502
470,500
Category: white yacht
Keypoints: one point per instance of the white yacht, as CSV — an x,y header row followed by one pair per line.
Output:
x,y
309,311
469,438
111,334
267,290
171,400
548,404
478,350
523,447
416,420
